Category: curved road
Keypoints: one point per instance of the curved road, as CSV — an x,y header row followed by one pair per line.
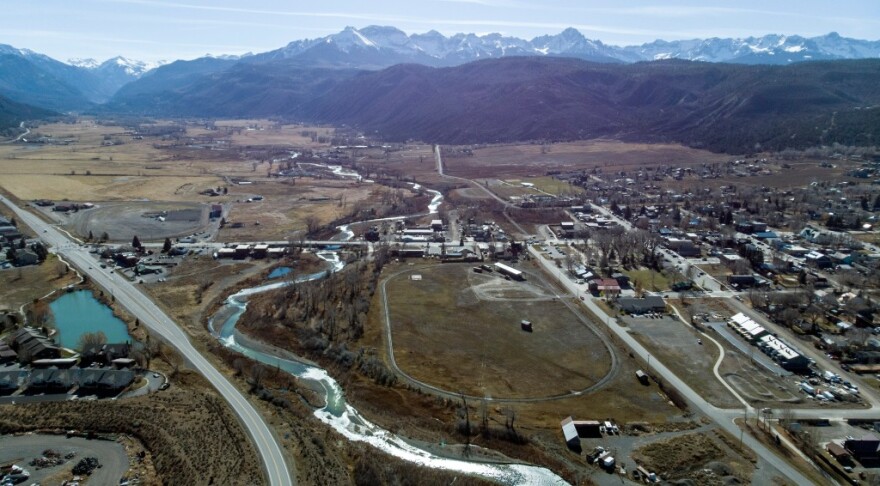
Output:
x,y
141,307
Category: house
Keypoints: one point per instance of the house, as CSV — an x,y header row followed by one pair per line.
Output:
x,y
865,450
9,380
683,247
216,211
260,251
437,225
241,252
103,353
26,257
632,305
105,379
225,253
818,260
32,345
607,286
622,279
7,355
50,379
741,281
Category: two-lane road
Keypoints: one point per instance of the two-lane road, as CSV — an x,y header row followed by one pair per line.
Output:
x,y
150,315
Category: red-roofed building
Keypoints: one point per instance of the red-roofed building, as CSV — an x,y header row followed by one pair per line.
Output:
x,y
607,286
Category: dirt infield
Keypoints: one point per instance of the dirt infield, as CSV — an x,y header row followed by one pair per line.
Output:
x,y
470,339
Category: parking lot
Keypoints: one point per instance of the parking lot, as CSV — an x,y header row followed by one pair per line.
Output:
x,y
22,449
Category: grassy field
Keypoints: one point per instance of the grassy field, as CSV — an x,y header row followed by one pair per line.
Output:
x,y
650,280
527,160
19,286
697,456
470,340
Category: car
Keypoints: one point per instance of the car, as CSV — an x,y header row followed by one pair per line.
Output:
x,y
156,375
164,386
700,342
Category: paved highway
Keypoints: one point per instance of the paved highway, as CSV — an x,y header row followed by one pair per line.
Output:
x,y
723,417
141,307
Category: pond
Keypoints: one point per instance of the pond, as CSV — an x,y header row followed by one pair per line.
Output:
x,y
79,312
280,272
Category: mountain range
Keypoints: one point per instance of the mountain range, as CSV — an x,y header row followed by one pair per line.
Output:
x,y
386,46
472,89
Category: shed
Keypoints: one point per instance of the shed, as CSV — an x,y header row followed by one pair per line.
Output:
x,y
569,431
525,325
837,451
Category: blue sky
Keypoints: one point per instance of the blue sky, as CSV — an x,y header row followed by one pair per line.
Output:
x,y
184,29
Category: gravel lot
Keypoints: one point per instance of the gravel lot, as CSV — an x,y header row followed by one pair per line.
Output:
x,y
22,449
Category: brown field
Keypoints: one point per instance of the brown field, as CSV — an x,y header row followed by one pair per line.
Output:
x,y
800,174
698,456
168,171
188,429
285,206
20,286
526,160
470,339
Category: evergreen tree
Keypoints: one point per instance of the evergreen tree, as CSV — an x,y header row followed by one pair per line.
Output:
x,y
136,243
166,247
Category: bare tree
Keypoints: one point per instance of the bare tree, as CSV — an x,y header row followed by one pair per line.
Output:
x,y
92,339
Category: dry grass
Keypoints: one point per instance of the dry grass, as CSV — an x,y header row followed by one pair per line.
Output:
x,y
527,160
698,457
470,339
285,207
194,438
19,286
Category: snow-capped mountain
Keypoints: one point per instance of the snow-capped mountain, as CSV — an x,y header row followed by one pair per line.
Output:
x,y
769,49
382,45
87,63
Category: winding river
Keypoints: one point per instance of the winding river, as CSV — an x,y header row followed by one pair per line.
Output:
x,y
340,415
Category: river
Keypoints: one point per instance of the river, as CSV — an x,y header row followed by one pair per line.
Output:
x,y
339,414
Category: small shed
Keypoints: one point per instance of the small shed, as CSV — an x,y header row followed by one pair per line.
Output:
x,y
569,431
838,452
525,325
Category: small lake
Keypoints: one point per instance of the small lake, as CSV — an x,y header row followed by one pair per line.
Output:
x,y
280,272
77,313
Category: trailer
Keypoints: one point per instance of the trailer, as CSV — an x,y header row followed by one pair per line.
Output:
x,y
509,271
608,462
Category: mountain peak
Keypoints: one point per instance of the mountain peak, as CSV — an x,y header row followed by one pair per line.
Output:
x,y
87,63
